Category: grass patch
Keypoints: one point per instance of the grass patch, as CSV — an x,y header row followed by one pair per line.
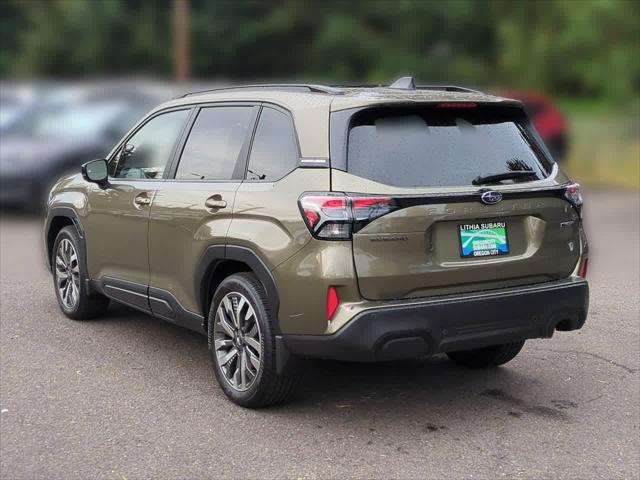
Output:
x,y
605,146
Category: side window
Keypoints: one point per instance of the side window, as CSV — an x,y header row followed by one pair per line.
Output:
x,y
274,152
146,153
214,143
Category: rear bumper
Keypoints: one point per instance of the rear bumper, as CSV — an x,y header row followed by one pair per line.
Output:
x,y
414,328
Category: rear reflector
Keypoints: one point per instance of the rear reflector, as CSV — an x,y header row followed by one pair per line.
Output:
x,y
582,271
332,301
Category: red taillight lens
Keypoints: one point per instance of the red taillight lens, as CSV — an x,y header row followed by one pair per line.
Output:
x,y
332,301
364,202
573,195
326,215
335,216
312,217
582,271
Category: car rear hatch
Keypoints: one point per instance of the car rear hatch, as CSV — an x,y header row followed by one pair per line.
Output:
x,y
426,215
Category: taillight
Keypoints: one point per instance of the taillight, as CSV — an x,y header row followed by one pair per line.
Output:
x,y
336,216
332,301
582,271
573,195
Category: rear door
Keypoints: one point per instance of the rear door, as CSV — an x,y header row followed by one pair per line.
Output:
x,y
192,210
444,228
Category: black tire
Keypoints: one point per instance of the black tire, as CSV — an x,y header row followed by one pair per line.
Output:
x,y
487,357
87,305
268,388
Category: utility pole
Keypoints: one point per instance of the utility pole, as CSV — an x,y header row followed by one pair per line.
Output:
x,y
181,54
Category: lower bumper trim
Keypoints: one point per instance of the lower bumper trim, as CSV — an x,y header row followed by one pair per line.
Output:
x,y
450,323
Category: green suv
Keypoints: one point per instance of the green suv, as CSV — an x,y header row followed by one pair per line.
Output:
x,y
287,222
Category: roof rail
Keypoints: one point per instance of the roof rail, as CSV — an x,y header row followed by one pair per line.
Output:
x,y
276,86
446,88
407,83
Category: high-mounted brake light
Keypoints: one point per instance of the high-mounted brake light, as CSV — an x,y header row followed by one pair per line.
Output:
x,y
335,216
457,105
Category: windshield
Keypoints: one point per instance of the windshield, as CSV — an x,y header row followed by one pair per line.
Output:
x,y
56,120
419,147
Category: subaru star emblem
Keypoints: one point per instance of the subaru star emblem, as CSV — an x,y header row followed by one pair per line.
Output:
x,y
491,197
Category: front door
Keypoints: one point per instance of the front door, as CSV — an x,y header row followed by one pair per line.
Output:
x,y
117,222
192,210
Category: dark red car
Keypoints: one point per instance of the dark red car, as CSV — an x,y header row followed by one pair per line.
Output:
x,y
548,120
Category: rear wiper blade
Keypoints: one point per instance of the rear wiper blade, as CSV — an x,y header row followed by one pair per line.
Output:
x,y
498,177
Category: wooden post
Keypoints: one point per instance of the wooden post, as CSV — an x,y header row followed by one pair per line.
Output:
x,y
181,60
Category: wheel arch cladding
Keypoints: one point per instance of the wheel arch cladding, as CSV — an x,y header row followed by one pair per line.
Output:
x,y
57,219
219,262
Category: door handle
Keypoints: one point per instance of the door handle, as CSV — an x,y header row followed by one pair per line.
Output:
x,y
215,202
142,199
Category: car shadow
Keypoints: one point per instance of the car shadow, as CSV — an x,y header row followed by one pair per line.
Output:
x,y
434,391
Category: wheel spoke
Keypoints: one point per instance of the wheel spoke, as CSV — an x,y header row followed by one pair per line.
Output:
x,y
72,294
60,265
224,324
65,251
253,343
253,332
67,291
223,344
229,309
238,313
243,369
255,361
226,358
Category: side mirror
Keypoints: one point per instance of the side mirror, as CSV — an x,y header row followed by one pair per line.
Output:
x,y
95,171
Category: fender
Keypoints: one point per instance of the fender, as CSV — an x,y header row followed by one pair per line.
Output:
x,y
216,254
67,212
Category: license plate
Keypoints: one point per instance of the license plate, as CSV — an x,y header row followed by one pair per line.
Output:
x,y
483,239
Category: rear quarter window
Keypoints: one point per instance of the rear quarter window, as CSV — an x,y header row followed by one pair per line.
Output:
x,y
418,147
274,152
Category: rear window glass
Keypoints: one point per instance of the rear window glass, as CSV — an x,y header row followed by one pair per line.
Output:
x,y
438,146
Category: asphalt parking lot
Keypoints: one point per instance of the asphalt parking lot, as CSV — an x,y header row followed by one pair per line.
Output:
x,y
128,396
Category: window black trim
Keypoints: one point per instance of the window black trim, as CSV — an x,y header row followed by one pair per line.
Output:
x,y
242,155
296,141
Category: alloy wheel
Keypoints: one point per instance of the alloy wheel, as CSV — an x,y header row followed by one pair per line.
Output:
x,y
67,274
237,341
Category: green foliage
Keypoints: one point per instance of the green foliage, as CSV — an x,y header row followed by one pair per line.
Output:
x,y
571,47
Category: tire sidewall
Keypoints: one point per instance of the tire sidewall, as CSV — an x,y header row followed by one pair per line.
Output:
x,y
237,283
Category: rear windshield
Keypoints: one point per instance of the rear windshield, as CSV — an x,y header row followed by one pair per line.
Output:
x,y
434,146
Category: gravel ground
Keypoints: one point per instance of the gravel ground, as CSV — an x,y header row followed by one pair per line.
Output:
x,y
129,396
